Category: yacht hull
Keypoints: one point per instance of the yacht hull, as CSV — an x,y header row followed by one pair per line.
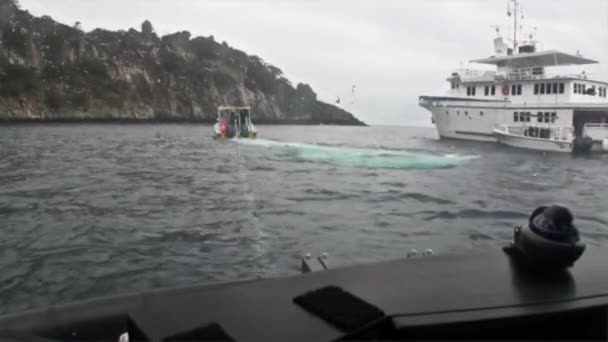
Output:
x,y
464,119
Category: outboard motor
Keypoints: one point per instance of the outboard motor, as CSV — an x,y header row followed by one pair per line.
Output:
x,y
582,145
244,131
550,240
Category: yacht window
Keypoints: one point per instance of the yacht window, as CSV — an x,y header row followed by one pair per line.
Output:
x,y
576,88
528,116
546,117
466,113
468,91
516,116
473,90
542,88
549,88
553,117
522,116
561,88
539,116
584,89
519,89
593,90
513,89
536,88
554,88
480,113
486,90
493,90
457,85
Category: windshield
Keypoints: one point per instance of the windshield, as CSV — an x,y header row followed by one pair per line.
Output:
x,y
161,144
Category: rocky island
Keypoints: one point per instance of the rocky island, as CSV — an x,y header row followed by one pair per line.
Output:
x,y
54,72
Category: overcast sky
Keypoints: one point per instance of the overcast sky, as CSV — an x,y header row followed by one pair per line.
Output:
x,y
392,50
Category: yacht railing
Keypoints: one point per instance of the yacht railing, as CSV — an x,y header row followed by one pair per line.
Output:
x,y
475,75
528,74
597,125
519,76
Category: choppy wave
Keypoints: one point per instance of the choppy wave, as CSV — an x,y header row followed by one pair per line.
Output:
x,y
360,157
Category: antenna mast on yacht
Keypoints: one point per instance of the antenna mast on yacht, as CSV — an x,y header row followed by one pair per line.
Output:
x,y
516,6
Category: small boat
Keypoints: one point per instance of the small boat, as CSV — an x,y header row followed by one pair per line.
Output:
x,y
596,136
540,138
234,122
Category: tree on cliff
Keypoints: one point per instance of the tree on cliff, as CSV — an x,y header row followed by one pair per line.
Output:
x,y
147,28
14,3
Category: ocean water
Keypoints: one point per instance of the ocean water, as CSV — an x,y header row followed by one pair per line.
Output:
x,y
97,210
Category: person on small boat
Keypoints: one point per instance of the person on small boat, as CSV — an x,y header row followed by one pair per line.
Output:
x,y
224,127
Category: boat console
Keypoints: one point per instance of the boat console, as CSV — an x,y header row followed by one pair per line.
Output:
x,y
545,285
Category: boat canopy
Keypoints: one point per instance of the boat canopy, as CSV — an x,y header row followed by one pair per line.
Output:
x,y
536,59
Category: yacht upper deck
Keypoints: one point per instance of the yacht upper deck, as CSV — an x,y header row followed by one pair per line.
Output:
x,y
535,59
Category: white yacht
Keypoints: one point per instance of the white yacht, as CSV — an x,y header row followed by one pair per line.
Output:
x,y
519,92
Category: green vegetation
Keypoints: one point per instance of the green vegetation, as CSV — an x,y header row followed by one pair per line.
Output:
x,y
54,44
93,68
204,48
14,40
53,99
17,80
223,81
53,72
170,62
263,75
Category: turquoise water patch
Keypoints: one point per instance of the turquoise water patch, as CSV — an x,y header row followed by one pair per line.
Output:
x,y
360,157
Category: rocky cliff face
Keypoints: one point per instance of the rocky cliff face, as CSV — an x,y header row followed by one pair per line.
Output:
x,y
50,71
